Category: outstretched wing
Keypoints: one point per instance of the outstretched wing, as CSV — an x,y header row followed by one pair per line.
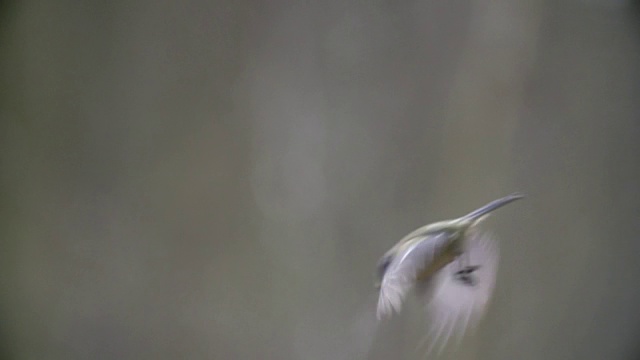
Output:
x,y
452,304
401,272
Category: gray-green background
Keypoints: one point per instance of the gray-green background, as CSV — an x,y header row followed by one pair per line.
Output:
x,y
216,179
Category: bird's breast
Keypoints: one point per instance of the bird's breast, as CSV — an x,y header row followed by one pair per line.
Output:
x,y
438,262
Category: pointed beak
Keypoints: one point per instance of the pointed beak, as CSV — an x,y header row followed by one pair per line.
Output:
x,y
477,215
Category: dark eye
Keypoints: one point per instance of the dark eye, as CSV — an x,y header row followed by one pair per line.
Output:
x,y
382,266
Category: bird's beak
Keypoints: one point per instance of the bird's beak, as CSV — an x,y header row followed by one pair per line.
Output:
x,y
480,214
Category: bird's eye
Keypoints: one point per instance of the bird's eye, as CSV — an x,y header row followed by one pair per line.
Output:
x,y
383,264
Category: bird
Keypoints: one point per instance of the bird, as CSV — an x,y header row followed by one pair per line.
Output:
x,y
451,267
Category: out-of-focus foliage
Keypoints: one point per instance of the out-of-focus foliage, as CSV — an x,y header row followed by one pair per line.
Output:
x,y
216,179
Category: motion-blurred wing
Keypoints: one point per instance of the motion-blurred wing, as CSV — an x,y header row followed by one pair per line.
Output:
x,y
454,305
400,275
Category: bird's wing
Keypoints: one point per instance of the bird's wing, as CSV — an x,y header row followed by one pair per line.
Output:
x,y
402,271
453,306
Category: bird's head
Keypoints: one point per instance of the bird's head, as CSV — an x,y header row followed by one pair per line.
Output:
x,y
456,228
467,222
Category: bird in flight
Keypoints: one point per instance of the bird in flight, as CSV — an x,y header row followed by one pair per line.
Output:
x,y
450,265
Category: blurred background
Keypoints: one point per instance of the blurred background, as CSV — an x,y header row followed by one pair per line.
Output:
x,y
217,179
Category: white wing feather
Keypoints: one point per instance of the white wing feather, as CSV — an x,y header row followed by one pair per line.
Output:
x,y
453,306
400,276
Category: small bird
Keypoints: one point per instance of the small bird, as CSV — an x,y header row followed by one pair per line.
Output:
x,y
450,265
